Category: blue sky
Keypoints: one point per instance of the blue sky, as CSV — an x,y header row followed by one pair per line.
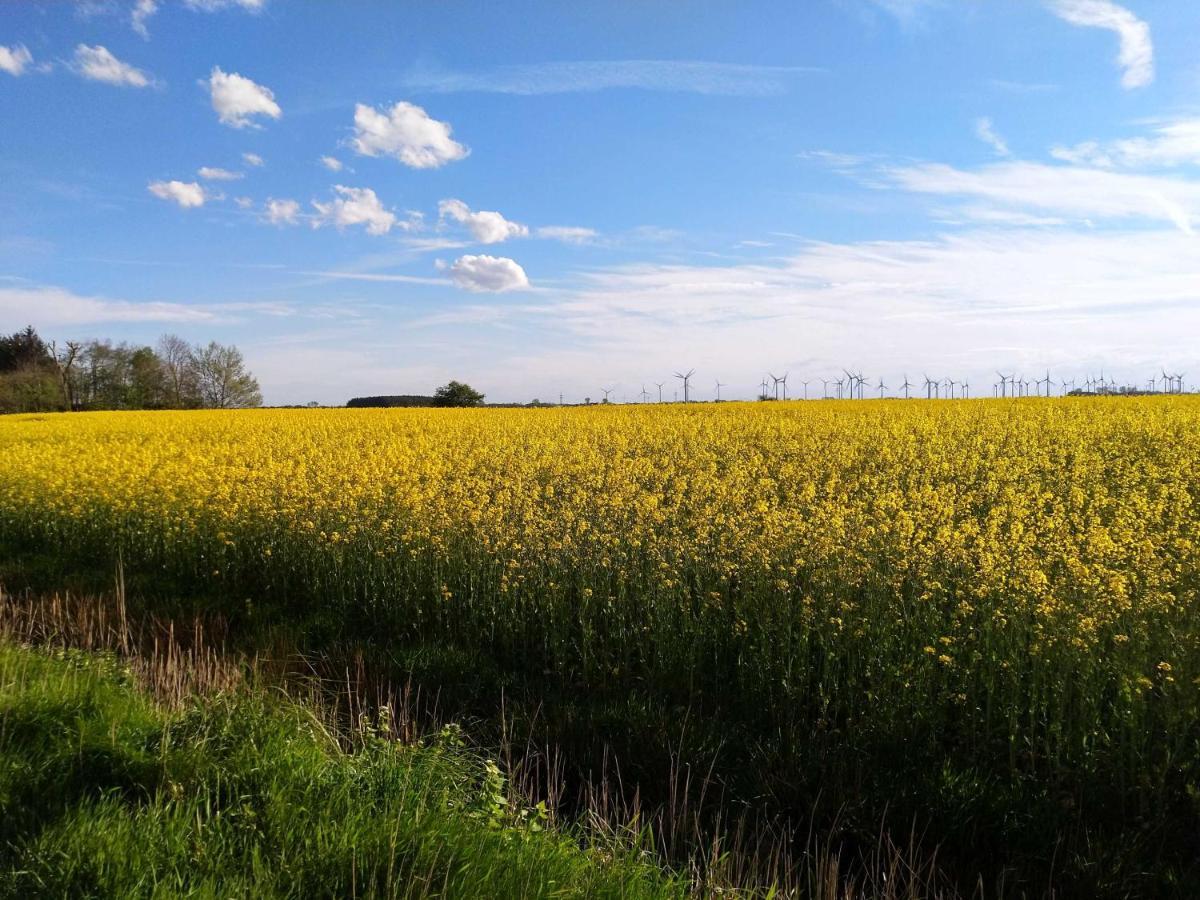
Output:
x,y
546,197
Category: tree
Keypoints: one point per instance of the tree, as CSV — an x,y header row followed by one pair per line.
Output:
x,y
147,380
222,378
457,394
179,372
23,350
28,374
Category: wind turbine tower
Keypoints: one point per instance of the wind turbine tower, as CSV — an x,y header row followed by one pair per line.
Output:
x,y
686,378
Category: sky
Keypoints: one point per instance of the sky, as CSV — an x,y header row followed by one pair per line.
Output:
x,y
552,199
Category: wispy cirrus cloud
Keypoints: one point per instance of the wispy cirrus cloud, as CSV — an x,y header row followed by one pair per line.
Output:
x,y
53,306
1136,54
1070,191
986,132
692,76
1173,143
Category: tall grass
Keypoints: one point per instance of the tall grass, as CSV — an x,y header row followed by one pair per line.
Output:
x,y
105,793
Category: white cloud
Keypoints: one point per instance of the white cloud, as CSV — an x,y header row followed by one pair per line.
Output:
x,y
212,173
282,212
487,274
142,10
187,194
407,133
487,227
97,64
237,99
1067,191
332,163
252,159
215,5
15,59
355,206
986,132
723,79
56,307
1173,143
907,11
243,202
959,305
1136,56
568,234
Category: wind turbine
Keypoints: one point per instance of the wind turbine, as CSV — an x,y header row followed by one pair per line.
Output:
x,y
660,387
719,386
686,379
906,385
783,381
824,388
606,392
645,395
1004,383
966,386
882,387
805,383
853,379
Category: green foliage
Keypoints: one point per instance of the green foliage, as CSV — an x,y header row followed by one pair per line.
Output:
x,y
105,794
390,401
23,350
98,374
455,393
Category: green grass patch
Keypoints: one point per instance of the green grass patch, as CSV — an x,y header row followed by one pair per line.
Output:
x,y
105,793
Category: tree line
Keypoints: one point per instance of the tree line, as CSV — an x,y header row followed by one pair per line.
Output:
x,y
36,376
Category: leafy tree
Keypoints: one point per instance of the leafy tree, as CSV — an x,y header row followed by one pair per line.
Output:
x,y
28,375
457,394
24,349
222,378
147,380
178,361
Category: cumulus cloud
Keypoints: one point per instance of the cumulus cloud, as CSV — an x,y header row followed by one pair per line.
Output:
x,y
212,173
487,274
986,132
1172,144
568,234
407,133
237,99
15,59
486,226
252,159
142,10
98,64
243,202
332,163
187,194
282,212
1136,56
355,206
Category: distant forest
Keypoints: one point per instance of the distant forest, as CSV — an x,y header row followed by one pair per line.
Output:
x,y
390,401
36,376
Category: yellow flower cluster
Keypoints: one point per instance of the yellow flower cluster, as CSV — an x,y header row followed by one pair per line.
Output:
x,y
1031,556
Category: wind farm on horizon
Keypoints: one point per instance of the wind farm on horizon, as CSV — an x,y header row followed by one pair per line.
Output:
x,y
855,385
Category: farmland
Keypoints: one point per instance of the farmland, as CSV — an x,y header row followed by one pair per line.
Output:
x,y
981,614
